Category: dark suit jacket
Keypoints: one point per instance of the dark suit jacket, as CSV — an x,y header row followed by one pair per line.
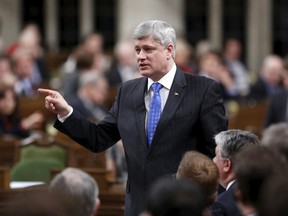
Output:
x,y
277,108
228,199
193,114
262,91
217,209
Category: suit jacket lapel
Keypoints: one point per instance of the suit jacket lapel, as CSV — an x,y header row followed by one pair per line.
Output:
x,y
175,97
140,110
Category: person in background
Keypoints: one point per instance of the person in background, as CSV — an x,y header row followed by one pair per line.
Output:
x,y
274,196
91,95
28,79
211,64
276,136
11,124
124,66
270,79
78,186
253,167
30,39
229,143
188,109
7,75
232,55
83,62
277,108
171,197
93,47
201,170
184,59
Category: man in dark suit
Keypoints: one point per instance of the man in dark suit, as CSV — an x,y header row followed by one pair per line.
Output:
x,y
278,109
229,143
192,112
90,97
269,81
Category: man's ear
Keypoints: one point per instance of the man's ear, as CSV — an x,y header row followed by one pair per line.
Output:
x,y
227,166
170,50
97,206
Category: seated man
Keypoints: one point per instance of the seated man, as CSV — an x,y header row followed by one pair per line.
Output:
x,y
79,186
229,143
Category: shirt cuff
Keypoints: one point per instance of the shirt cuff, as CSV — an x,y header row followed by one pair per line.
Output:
x,y
62,119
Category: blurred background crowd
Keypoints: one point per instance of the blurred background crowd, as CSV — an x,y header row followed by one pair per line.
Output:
x,y
82,49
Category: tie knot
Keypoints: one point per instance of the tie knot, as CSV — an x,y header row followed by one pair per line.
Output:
x,y
156,87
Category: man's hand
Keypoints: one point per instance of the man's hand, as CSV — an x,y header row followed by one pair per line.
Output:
x,y
55,103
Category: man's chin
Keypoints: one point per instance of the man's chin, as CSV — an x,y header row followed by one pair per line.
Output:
x,y
145,73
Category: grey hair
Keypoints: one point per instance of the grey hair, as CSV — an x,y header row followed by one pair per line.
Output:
x,y
275,135
89,77
160,30
78,185
230,142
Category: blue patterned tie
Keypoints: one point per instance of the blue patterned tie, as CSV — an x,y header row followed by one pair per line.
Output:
x,y
154,111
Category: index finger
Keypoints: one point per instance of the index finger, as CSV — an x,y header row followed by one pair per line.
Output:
x,y
46,91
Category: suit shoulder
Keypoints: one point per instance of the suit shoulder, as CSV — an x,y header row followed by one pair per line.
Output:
x,y
199,78
198,81
133,84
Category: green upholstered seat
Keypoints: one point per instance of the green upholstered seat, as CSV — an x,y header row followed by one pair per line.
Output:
x,y
36,160
50,151
34,169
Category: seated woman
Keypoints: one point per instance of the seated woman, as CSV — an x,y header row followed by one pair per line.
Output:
x,y
11,124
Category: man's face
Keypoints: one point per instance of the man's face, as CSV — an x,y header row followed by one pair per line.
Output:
x,y
153,59
220,165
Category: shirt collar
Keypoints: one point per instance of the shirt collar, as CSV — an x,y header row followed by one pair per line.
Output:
x,y
167,80
230,184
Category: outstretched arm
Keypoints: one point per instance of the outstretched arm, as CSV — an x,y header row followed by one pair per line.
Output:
x,y
55,103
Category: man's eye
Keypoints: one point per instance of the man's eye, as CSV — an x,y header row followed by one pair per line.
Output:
x,y
149,50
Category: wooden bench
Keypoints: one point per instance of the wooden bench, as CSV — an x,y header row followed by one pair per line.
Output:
x,y
112,203
8,151
250,116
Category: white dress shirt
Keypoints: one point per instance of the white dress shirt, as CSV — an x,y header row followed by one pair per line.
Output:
x,y
166,81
